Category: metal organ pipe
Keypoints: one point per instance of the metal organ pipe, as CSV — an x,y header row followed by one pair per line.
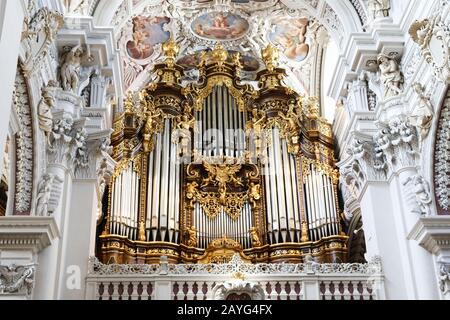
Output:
x,y
156,187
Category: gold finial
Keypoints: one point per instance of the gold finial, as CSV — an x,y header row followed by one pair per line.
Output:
x,y
219,54
171,50
270,56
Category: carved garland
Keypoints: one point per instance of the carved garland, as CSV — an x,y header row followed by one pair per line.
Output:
x,y
25,149
442,160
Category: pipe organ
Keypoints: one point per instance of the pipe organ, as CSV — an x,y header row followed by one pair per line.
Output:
x,y
217,167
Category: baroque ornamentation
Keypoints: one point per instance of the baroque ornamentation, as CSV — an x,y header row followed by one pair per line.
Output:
x,y
237,265
442,159
390,75
379,8
433,37
70,69
444,277
421,190
45,108
422,114
17,279
77,6
38,36
396,144
238,287
25,149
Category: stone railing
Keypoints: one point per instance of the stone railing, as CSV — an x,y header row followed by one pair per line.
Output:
x,y
307,281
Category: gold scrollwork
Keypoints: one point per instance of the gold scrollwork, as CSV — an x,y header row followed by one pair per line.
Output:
x,y
321,167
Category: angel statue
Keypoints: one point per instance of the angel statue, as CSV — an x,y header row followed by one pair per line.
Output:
x,y
182,136
292,129
254,130
45,189
421,189
70,69
45,107
391,76
151,126
422,115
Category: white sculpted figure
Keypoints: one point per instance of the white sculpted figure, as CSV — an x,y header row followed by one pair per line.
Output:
x,y
45,108
379,8
45,190
391,76
422,115
421,189
76,6
70,69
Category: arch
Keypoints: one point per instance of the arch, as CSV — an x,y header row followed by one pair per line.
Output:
x,y
24,164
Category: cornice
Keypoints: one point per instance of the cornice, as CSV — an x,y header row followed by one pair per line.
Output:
x,y
432,233
27,233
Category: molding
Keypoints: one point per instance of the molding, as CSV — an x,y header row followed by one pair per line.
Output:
x,y
27,233
432,233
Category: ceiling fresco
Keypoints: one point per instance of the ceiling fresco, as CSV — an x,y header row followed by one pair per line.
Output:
x,y
290,35
244,26
220,26
147,32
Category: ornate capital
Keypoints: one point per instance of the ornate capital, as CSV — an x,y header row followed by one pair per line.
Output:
x,y
396,144
89,152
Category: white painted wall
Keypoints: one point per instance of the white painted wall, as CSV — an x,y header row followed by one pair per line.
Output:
x,y
12,13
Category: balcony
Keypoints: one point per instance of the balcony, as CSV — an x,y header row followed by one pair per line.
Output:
x,y
281,281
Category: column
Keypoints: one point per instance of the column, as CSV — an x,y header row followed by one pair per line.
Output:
x,y
381,237
81,224
59,164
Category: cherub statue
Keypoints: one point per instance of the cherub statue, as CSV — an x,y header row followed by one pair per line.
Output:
x,y
255,237
192,236
254,193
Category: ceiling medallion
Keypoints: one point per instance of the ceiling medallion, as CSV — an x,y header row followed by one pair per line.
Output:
x,y
220,26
